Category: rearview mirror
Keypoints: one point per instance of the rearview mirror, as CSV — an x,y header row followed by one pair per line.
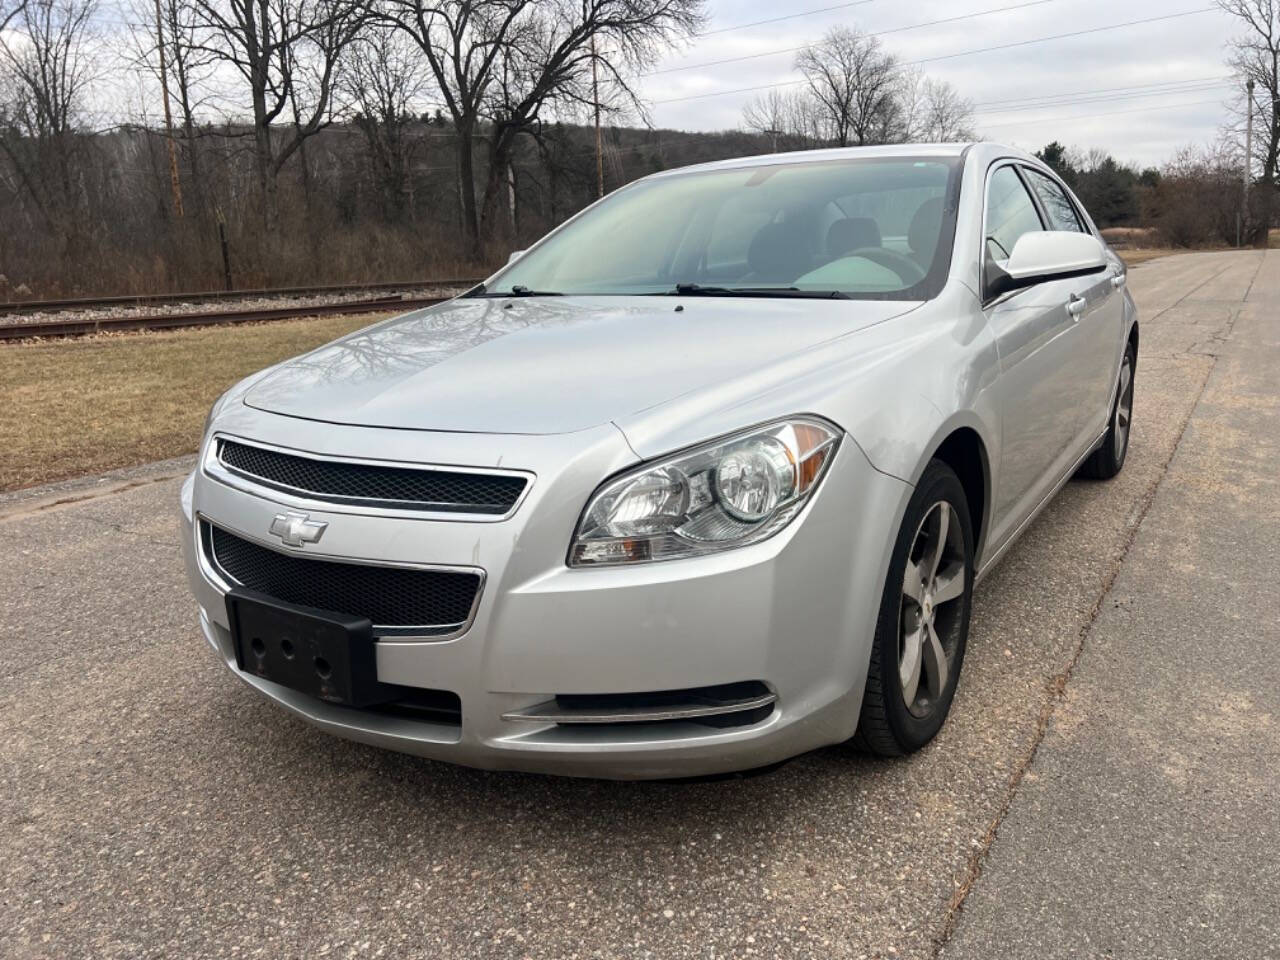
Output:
x,y
1046,255
515,255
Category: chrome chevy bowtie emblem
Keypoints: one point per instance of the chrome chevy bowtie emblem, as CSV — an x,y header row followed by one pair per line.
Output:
x,y
295,529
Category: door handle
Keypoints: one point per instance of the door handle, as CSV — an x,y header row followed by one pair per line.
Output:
x,y
1117,281
1075,306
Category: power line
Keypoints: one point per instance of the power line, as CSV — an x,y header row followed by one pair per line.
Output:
x,y
1199,88
1109,113
952,56
1073,93
878,33
1064,36
679,136
789,16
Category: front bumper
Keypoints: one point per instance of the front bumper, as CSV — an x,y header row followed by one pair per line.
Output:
x,y
795,612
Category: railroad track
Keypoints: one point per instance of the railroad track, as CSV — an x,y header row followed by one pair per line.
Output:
x,y
140,300
170,321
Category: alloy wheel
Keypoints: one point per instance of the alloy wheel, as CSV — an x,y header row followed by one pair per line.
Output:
x,y
930,616
1124,409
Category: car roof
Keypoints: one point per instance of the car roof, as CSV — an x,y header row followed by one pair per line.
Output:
x,y
913,150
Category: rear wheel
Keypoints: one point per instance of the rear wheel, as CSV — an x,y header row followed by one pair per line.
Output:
x,y
923,622
1105,462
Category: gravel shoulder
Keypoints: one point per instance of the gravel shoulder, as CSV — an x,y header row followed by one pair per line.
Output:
x,y
265,302
150,805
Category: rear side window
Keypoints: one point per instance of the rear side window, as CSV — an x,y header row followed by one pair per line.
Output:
x,y
1010,213
1062,215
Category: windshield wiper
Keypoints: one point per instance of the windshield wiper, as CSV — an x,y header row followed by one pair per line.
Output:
x,y
520,290
517,290
697,290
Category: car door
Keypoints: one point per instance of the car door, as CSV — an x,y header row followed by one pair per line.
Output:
x,y
1034,331
1100,322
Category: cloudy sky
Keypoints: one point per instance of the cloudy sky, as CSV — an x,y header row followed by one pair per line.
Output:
x,y
1139,91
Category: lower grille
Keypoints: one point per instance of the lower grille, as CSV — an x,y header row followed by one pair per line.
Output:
x,y
427,706
399,599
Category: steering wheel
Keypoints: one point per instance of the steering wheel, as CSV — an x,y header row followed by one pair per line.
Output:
x,y
907,269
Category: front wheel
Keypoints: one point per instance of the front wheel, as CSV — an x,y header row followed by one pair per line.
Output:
x,y
1105,462
923,622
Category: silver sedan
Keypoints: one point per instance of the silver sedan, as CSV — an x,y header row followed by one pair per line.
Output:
x,y
702,480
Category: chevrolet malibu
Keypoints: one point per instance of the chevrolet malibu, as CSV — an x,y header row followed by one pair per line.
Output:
x,y
702,480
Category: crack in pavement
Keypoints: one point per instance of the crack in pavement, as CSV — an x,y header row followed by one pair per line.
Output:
x,y
136,534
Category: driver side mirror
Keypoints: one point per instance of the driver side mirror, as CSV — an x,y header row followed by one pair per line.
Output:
x,y
515,255
1045,255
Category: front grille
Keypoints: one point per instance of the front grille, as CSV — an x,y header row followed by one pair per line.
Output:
x,y
401,487
398,598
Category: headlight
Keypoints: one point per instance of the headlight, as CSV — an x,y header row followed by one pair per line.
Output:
x,y
726,493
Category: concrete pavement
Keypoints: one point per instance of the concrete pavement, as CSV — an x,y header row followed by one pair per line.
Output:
x,y
1148,824
151,805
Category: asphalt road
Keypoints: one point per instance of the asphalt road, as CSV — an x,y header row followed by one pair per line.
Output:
x,y
1104,787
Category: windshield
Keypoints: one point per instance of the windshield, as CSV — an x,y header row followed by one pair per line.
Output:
x,y
868,228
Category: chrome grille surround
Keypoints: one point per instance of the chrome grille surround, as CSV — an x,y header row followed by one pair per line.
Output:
x,y
388,475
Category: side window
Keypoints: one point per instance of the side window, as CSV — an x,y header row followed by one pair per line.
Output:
x,y
1010,213
1062,215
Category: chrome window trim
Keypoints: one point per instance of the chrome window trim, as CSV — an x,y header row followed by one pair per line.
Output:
x,y
1016,163
992,167
214,468
223,581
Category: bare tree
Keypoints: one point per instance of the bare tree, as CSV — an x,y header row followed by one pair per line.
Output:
x,y
855,83
504,63
388,83
9,10
1255,55
190,75
767,115
50,69
1197,198
933,111
287,53
789,118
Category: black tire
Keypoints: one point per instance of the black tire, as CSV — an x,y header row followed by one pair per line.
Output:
x,y
888,725
1108,460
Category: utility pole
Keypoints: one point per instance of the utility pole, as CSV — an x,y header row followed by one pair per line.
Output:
x,y
174,183
1248,156
595,97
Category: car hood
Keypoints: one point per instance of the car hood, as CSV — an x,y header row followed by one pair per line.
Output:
x,y
548,364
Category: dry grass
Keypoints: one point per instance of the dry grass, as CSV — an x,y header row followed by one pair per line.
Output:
x,y
76,407
1130,257
1139,244
1133,236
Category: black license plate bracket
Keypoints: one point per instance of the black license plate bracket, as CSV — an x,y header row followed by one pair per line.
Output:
x,y
317,652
